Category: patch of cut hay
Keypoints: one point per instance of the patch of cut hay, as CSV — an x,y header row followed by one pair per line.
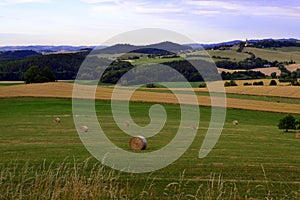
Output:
x,y
138,143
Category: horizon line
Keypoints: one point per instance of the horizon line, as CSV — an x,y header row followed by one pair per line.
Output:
x,y
93,45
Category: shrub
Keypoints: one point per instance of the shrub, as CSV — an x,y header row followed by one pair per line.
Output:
x,y
258,83
273,82
202,85
151,85
247,84
295,83
230,83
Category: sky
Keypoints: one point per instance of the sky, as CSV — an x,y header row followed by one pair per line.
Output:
x,y
92,22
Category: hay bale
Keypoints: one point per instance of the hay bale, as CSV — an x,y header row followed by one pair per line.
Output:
x,y
297,135
84,129
138,143
126,123
235,122
194,127
57,120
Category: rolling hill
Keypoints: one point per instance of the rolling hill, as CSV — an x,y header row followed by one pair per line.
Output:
x,y
18,54
146,49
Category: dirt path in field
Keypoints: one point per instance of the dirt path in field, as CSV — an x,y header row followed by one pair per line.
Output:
x,y
64,90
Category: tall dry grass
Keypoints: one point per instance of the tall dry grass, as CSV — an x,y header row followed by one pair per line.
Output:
x,y
88,180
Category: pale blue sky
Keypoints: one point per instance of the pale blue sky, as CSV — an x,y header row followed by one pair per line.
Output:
x,y
91,22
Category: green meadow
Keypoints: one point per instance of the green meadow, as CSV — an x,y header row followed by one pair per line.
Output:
x,y
41,159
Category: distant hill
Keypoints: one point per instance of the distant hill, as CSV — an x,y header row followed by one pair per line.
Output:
x,y
169,46
147,49
125,48
115,49
210,46
47,49
18,54
234,42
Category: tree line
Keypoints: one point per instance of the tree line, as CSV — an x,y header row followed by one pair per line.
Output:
x,y
64,66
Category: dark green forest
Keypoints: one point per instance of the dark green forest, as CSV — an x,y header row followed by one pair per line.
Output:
x,y
64,66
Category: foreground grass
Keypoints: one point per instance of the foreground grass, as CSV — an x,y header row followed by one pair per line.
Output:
x,y
251,160
89,180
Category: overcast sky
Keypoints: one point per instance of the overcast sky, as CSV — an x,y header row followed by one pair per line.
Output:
x,y
91,22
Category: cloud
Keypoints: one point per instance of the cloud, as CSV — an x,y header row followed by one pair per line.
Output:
x,y
11,2
206,12
106,9
253,8
136,6
273,11
98,1
214,4
148,10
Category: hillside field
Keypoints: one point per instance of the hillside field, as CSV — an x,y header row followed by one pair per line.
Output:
x,y
280,54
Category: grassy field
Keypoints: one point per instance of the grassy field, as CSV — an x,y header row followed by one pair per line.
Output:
x,y
143,60
231,54
10,83
279,54
272,55
289,49
42,159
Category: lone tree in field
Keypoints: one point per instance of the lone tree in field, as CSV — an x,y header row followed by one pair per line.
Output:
x,y
34,75
288,122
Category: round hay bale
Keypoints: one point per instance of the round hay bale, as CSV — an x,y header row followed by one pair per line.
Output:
x,y
84,129
126,123
57,120
138,143
297,135
194,127
235,122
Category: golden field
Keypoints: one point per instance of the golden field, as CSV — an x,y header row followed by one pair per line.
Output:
x,y
64,90
267,71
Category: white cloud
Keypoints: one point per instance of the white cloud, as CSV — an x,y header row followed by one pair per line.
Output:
x,y
98,1
106,9
136,6
206,7
148,7
214,4
206,12
7,2
148,10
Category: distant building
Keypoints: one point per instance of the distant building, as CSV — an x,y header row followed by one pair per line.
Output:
x,y
247,43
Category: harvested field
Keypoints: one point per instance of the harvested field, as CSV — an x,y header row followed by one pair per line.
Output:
x,y
267,71
280,91
64,90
